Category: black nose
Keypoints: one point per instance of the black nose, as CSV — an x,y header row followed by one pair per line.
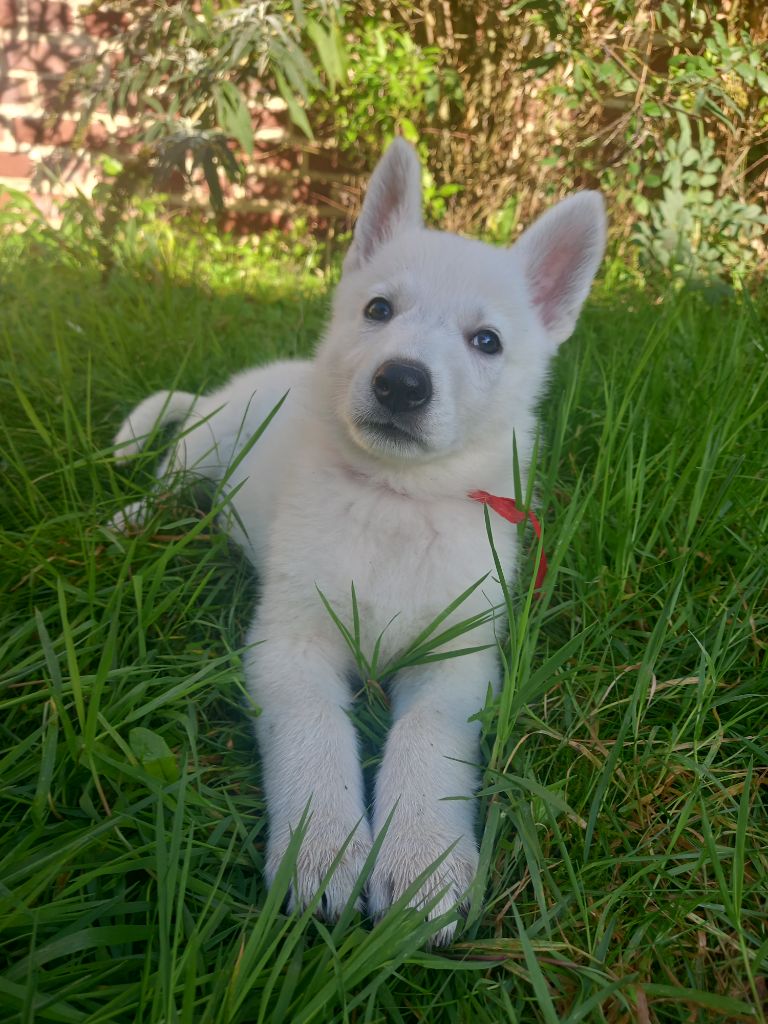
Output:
x,y
401,387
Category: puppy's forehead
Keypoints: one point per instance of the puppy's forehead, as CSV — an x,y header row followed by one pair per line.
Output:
x,y
460,273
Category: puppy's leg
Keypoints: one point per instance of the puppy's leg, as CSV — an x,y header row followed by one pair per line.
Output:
x,y
310,761
427,777
201,452
134,515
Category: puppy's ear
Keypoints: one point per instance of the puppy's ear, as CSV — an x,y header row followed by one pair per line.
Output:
x,y
392,201
560,254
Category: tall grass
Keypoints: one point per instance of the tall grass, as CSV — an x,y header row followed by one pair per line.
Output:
x,y
624,864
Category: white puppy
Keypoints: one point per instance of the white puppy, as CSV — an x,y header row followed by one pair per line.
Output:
x,y
434,358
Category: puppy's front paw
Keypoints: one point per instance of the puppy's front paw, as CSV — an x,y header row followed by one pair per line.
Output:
x,y
319,848
400,862
132,518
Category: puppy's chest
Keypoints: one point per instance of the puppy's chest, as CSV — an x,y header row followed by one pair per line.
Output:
x,y
407,559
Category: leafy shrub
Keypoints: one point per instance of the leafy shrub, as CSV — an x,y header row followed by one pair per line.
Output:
x,y
556,96
690,229
392,85
191,78
390,80
664,106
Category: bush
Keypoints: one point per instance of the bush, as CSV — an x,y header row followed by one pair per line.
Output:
x,y
191,78
550,96
663,106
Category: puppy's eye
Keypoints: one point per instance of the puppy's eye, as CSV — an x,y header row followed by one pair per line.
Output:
x,y
486,341
379,309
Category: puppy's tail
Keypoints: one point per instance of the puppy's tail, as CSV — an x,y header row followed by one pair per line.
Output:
x,y
157,411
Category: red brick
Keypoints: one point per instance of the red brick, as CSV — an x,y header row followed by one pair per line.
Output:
x,y
7,14
15,90
41,56
124,137
97,135
26,130
17,57
268,119
276,159
60,134
47,204
174,182
45,16
49,89
250,222
104,24
273,188
35,131
328,160
15,165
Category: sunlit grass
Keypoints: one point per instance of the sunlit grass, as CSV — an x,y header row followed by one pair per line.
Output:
x,y
624,864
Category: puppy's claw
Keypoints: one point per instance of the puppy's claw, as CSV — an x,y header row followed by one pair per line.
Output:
x,y
131,518
312,865
400,863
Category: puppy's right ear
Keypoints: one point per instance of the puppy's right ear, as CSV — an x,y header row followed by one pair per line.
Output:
x,y
392,201
560,254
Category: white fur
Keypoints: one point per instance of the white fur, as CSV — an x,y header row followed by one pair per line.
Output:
x,y
323,501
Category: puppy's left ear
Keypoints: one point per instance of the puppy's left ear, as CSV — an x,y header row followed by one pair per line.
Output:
x,y
560,254
392,201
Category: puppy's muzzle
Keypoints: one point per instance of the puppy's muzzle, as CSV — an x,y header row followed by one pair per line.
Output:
x,y
402,387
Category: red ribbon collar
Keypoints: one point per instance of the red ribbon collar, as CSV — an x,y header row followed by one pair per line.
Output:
x,y
507,509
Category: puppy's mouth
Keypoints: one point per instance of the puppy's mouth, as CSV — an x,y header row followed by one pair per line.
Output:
x,y
388,436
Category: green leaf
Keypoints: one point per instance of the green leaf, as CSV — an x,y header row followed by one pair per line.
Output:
x,y
746,71
330,49
409,130
641,204
154,754
233,115
212,181
535,974
697,997
296,112
110,165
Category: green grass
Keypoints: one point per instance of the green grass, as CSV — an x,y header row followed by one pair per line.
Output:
x,y
625,849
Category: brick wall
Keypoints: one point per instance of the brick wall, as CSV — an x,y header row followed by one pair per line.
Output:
x,y
39,154
40,39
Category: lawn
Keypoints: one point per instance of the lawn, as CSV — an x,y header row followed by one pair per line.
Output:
x,y
625,832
